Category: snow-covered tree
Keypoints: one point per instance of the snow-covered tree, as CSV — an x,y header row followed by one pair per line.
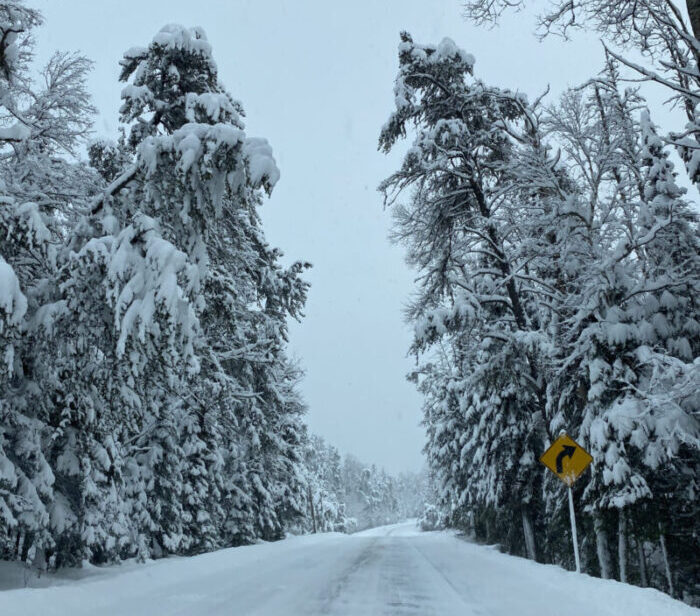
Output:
x,y
148,405
191,152
41,127
557,271
326,492
663,32
475,294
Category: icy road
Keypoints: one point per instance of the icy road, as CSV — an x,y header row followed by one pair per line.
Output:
x,y
393,570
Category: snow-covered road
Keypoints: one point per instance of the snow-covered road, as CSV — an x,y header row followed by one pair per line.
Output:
x,y
394,570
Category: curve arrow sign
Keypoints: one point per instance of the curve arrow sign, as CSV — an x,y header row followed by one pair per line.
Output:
x,y
567,451
566,447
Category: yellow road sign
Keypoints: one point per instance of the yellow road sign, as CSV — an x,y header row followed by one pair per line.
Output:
x,y
566,459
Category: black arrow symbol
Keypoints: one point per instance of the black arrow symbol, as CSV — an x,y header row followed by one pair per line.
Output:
x,y
566,452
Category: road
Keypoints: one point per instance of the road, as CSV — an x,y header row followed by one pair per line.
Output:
x,y
391,571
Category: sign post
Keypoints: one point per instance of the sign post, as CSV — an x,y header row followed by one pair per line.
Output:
x,y
567,460
574,535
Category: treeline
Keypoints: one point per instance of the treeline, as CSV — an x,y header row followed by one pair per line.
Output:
x,y
558,273
147,403
344,495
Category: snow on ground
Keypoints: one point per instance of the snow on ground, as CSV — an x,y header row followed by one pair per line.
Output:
x,y
394,570
403,529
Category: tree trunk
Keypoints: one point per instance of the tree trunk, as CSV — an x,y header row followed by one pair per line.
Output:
x,y
642,563
529,535
667,567
18,545
694,14
313,511
601,540
622,544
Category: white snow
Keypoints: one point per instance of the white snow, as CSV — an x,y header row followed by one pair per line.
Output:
x,y
175,36
392,570
217,106
16,132
446,50
261,162
12,300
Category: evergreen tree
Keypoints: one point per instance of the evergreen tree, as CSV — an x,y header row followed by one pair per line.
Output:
x,y
42,186
475,292
557,267
191,149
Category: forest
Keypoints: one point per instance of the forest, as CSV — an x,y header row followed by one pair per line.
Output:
x,y
558,257
149,402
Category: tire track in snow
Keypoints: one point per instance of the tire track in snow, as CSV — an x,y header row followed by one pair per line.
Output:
x,y
461,591
392,578
331,596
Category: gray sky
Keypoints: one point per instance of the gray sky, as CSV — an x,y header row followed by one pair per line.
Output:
x,y
315,78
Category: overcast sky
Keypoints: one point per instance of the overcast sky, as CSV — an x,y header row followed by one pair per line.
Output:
x,y
315,78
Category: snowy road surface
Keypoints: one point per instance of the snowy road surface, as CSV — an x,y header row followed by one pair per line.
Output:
x,y
393,570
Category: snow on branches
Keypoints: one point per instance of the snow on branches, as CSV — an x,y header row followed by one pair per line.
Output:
x,y
557,282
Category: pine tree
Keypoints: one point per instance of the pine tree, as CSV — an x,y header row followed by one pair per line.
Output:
x,y
43,185
191,149
475,294
557,280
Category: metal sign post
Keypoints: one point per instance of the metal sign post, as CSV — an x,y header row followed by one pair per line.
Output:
x,y
567,460
574,536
